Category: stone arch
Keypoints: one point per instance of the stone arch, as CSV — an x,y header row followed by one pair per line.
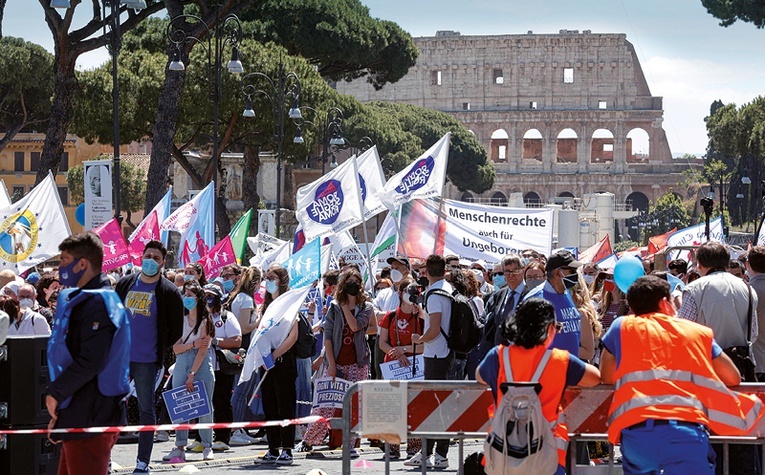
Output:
x,y
532,198
602,146
499,145
498,198
566,194
467,197
639,201
532,145
638,146
566,146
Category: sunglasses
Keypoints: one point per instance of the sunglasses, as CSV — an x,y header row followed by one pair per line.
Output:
x,y
558,327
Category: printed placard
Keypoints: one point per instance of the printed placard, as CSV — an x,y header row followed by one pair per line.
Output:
x,y
393,370
328,392
184,406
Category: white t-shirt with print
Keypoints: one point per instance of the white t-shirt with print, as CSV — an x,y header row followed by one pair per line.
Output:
x,y
224,330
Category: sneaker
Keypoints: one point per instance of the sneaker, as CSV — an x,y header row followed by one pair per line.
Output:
x,y
354,454
195,447
174,454
240,438
416,461
393,454
269,457
220,446
207,454
284,458
439,461
303,447
141,467
161,436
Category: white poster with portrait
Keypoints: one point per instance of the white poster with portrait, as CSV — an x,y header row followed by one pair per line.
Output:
x,y
98,192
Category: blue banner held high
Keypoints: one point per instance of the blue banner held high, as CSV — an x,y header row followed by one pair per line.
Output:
x,y
304,266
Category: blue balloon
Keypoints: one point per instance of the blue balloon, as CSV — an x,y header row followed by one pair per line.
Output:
x,y
626,271
79,214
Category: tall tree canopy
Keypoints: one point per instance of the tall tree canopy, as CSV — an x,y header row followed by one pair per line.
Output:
x,y
729,11
26,85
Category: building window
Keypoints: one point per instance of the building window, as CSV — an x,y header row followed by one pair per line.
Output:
x,y
568,75
18,161
602,105
63,193
498,78
435,78
35,165
608,147
533,105
466,106
64,165
502,152
17,193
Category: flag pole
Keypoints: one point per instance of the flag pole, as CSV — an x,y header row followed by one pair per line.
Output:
x,y
364,226
441,201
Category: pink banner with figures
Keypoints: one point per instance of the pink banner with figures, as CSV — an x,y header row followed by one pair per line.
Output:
x,y
221,255
116,253
147,230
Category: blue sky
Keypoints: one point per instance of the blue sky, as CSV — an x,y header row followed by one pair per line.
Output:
x,y
686,56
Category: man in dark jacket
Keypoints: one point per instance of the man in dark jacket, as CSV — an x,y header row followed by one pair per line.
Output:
x,y
156,320
75,397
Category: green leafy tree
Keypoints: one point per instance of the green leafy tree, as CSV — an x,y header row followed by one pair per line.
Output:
x,y
666,213
26,84
132,188
729,11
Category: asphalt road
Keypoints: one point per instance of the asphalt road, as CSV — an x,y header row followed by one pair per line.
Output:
x,y
241,460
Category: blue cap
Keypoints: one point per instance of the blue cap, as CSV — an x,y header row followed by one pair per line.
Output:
x,y
33,278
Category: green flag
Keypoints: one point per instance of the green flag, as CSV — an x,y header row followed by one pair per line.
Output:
x,y
239,234
386,236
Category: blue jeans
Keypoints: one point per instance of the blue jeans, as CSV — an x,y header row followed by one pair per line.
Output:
x,y
241,396
183,364
303,391
671,447
145,377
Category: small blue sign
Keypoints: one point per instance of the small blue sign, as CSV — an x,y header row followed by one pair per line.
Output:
x,y
184,406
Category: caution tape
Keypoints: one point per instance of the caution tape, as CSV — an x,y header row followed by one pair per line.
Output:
x,y
168,427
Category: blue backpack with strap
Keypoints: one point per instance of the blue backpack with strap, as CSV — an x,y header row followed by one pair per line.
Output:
x,y
113,377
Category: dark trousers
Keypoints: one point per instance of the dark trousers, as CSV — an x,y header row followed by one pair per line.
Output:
x,y
436,369
279,401
145,377
88,455
374,371
221,399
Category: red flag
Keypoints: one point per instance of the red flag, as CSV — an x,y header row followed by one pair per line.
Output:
x,y
657,243
116,252
598,252
146,231
221,255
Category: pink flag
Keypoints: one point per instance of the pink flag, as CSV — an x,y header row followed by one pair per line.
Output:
x,y
116,251
221,255
146,231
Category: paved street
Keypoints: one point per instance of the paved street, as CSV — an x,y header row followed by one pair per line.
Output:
x,y
243,460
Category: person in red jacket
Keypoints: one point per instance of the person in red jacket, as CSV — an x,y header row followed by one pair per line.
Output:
x,y
671,381
531,332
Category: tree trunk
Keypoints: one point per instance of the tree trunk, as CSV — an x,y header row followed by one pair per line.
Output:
x,y
288,196
10,134
2,13
250,195
60,115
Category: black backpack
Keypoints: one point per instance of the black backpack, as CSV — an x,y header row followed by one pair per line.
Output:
x,y
305,346
465,326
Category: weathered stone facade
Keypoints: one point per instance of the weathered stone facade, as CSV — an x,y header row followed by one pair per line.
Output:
x,y
561,115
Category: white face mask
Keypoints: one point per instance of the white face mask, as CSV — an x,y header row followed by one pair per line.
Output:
x,y
588,278
478,275
396,275
26,303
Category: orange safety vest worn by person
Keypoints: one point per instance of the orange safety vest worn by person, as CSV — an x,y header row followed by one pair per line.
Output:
x,y
670,384
531,332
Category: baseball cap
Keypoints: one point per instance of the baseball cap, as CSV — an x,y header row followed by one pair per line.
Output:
x,y
480,263
33,278
213,290
400,259
561,259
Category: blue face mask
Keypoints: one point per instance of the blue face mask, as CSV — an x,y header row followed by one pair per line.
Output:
x,y
228,285
211,301
271,286
187,278
499,281
149,267
190,302
67,276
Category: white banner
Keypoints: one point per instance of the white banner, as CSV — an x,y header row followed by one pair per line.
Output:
x,y
329,392
98,192
393,370
371,181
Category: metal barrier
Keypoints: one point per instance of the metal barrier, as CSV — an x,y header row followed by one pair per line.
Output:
x,y
458,410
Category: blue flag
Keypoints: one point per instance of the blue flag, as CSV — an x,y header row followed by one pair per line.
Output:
x,y
304,266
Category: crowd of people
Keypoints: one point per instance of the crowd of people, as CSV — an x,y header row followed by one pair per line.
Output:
x,y
186,329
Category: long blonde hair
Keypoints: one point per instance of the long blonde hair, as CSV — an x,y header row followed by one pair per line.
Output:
x,y
581,297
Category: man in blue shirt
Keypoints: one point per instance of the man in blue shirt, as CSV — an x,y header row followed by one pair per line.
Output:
x,y
561,276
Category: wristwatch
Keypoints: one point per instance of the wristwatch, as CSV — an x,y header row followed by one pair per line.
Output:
x,y
193,373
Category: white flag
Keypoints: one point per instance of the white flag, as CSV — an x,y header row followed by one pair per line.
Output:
x,y
32,228
5,200
274,327
264,259
423,178
695,235
326,258
263,242
371,181
332,203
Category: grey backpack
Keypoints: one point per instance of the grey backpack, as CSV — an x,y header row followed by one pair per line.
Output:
x,y
521,438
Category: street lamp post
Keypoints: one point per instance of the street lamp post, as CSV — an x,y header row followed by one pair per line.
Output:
x,y
277,95
332,133
225,31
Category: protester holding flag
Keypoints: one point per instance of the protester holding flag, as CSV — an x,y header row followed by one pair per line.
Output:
x,y
194,363
346,352
278,388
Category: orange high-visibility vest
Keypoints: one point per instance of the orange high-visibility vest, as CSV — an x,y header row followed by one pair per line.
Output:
x,y
523,364
666,373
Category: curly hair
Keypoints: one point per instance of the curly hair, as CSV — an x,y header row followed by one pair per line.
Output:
x,y
341,296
